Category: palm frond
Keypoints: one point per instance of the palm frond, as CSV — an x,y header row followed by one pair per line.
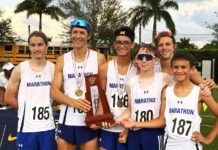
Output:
x,y
169,21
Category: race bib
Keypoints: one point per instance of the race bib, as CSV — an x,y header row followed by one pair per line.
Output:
x,y
118,101
77,111
181,126
40,113
143,115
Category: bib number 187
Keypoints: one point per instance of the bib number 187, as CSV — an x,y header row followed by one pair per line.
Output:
x,y
181,126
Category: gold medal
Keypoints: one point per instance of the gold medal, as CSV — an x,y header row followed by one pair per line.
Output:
x,y
79,92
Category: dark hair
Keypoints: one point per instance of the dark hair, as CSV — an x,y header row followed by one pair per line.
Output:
x,y
38,34
150,48
181,55
125,31
164,34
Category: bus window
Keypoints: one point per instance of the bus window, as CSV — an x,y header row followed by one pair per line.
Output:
x,y
64,50
8,47
49,51
21,49
56,50
27,50
70,48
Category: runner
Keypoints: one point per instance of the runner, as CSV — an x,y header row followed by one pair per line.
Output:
x,y
114,75
68,88
144,92
29,91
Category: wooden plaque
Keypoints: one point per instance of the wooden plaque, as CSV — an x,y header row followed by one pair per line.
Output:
x,y
96,96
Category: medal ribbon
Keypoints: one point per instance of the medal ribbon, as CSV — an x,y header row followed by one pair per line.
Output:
x,y
121,89
79,80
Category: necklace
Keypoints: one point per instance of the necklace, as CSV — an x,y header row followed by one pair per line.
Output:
x,y
79,76
121,89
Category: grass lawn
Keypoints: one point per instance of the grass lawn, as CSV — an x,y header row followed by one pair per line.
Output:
x,y
208,122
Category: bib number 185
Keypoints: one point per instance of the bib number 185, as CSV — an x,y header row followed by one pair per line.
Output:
x,y
40,113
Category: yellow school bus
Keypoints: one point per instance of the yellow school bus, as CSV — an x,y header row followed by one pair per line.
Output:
x,y
18,52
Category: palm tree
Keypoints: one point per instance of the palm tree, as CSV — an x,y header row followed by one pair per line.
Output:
x,y
141,14
39,7
184,43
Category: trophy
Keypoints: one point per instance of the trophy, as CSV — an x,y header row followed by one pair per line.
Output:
x,y
96,96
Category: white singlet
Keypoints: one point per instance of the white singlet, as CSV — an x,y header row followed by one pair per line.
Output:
x,y
69,115
182,119
112,92
146,102
34,102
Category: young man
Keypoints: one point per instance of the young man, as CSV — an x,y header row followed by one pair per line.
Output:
x,y
166,46
68,88
181,104
4,77
114,75
144,92
29,91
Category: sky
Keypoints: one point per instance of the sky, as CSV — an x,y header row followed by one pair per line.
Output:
x,y
191,21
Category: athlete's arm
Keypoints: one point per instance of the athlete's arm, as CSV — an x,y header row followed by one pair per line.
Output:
x,y
103,75
12,88
211,103
101,59
199,138
2,93
57,86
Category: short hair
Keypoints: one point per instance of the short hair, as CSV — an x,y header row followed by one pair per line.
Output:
x,y
125,31
182,55
150,48
38,34
164,34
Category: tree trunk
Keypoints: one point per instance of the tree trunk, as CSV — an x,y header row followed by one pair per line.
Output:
x,y
140,33
40,22
154,29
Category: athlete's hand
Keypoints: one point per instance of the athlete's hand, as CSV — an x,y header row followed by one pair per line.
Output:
x,y
123,136
209,82
82,104
120,119
108,125
205,90
197,137
128,123
94,127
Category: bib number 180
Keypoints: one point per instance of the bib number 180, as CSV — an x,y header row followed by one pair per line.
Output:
x,y
40,113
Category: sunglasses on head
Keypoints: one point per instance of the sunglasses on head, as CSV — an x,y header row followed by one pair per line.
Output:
x,y
82,23
148,57
163,33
